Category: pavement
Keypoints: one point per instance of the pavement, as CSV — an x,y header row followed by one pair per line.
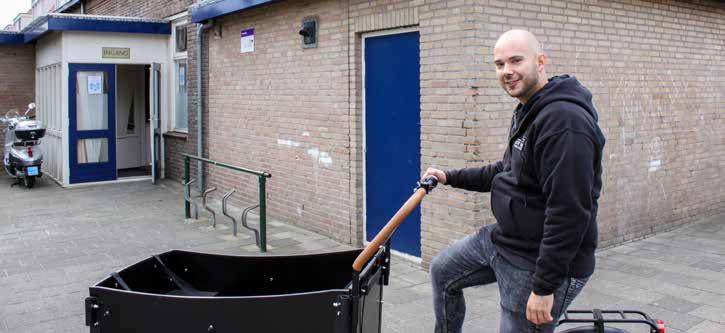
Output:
x,y
55,243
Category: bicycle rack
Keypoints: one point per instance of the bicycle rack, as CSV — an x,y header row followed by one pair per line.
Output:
x,y
207,208
261,235
244,222
224,210
244,216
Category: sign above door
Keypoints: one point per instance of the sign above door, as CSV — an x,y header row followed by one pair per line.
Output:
x,y
117,52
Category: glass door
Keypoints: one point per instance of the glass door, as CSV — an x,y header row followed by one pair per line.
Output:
x,y
92,139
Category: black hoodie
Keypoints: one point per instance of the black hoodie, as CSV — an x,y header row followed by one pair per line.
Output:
x,y
544,192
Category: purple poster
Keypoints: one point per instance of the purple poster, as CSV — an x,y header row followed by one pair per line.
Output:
x,y
247,40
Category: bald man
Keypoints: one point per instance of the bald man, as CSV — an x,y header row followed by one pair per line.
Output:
x,y
544,196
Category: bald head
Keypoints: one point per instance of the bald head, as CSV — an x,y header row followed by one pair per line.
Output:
x,y
520,64
521,38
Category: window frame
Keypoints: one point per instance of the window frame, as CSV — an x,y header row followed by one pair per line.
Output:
x,y
176,90
177,21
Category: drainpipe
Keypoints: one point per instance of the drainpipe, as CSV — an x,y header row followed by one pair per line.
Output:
x,y
200,28
83,8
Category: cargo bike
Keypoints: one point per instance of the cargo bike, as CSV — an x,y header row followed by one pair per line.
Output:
x,y
182,291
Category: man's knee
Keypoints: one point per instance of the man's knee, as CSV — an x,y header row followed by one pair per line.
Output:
x,y
437,268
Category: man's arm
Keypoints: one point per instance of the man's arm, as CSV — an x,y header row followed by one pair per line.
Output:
x,y
474,179
566,170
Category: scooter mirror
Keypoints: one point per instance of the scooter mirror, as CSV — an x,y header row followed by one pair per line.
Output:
x,y
31,106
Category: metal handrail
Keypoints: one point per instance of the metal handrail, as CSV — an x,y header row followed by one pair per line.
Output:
x,y
187,198
229,166
261,178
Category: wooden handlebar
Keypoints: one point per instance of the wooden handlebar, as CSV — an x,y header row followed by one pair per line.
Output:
x,y
388,229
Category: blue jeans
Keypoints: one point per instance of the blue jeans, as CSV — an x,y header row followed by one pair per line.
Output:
x,y
473,261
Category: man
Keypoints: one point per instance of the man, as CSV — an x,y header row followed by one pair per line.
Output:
x,y
543,194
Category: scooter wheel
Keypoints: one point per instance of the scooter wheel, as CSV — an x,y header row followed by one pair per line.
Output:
x,y
29,182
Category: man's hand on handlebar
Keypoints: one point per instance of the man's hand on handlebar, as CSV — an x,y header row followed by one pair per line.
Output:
x,y
436,173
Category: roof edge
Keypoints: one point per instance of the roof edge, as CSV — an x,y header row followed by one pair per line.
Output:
x,y
97,23
210,9
11,38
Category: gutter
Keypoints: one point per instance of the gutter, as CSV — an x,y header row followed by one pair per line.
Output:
x,y
200,29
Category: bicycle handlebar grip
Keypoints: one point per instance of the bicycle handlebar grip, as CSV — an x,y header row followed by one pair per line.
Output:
x,y
429,183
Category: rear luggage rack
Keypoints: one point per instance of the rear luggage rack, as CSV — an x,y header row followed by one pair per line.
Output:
x,y
598,320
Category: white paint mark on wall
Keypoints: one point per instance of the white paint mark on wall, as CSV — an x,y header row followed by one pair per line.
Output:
x,y
289,143
654,165
305,133
320,156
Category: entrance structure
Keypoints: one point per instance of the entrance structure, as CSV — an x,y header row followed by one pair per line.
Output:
x,y
98,87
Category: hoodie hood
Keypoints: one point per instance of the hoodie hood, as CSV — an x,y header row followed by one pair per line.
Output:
x,y
564,88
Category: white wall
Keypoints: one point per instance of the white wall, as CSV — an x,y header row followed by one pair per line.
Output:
x,y
49,50
48,98
51,96
86,47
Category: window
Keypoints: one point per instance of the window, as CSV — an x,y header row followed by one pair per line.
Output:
x,y
181,38
181,112
179,73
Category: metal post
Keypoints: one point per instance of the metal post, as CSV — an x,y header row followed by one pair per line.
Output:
x,y
187,206
262,214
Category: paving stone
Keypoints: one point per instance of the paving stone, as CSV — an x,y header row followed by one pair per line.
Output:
x,y
623,291
707,327
400,296
679,320
676,304
709,265
712,313
709,299
415,277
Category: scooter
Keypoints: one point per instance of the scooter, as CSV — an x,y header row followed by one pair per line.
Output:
x,y
23,156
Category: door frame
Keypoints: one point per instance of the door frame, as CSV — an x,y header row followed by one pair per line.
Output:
x,y
73,135
156,142
363,37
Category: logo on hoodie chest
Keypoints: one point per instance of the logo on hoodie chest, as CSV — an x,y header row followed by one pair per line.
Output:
x,y
519,143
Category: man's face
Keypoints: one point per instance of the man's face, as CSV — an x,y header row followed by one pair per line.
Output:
x,y
517,69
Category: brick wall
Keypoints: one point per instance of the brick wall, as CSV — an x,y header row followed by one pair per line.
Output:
x,y
134,8
17,80
284,109
655,69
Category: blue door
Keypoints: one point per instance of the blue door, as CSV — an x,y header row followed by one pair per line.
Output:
x,y
392,135
92,113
